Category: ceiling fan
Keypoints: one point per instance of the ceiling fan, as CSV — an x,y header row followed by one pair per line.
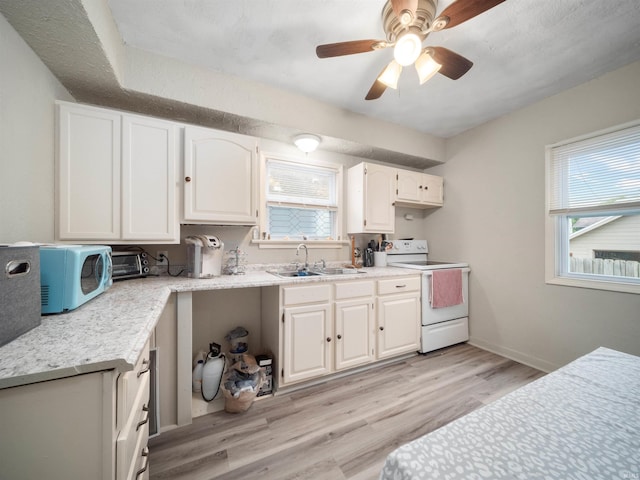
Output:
x,y
406,24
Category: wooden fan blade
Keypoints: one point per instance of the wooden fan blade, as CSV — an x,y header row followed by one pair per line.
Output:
x,y
453,65
345,48
377,89
399,6
462,10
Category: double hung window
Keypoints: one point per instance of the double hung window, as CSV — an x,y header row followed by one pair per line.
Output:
x,y
301,201
593,197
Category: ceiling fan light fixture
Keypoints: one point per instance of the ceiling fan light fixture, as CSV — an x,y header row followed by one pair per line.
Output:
x,y
307,142
426,66
391,75
407,49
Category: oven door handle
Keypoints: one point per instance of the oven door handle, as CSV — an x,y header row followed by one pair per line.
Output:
x,y
428,273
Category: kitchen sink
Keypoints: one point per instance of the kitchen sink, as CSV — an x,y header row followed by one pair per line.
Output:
x,y
313,273
293,273
340,271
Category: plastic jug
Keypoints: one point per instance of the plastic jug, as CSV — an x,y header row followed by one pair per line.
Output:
x,y
212,373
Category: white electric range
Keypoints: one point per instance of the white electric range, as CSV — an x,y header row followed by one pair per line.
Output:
x,y
441,327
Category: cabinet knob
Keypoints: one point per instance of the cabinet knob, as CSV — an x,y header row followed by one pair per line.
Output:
x,y
328,339
339,337
187,179
420,187
381,328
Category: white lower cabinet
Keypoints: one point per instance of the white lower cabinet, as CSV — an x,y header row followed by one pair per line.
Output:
x,y
307,341
75,427
399,311
354,324
330,327
307,332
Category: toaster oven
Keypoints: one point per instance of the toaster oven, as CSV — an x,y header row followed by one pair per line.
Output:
x,y
129,265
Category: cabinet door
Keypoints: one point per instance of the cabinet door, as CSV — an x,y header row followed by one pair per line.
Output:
x,y
379,196
409,186
354,344
59,429
148,179
398,324
220,177
432,189
88,174
307,342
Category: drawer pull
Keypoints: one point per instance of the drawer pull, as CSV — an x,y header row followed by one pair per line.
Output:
x,y
401,286
145,453
145,370
145,408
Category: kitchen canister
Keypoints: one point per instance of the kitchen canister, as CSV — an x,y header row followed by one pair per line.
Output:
x,y
379,259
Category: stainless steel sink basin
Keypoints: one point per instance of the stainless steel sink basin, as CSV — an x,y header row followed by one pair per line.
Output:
x,y
340,271
313,273
293,273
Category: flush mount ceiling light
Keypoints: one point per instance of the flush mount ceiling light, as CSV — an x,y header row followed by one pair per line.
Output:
x,y
307,142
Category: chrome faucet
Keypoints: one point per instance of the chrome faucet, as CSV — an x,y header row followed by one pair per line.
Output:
x,y
306,255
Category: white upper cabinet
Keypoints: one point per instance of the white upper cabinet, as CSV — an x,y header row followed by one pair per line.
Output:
x,y
416,189
371,193
88,174
116,177
220,177
148,179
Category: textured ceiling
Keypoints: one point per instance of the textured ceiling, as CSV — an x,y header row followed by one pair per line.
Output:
x,y
523,51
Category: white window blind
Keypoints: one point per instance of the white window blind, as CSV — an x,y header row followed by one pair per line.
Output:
x,y
599,174
290,183
301,201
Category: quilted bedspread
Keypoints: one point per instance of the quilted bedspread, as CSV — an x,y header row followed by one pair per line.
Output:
x,y
580,422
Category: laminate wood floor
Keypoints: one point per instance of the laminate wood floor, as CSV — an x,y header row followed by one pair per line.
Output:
x,y
340,429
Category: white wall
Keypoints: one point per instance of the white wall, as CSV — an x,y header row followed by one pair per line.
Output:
x,y
27,93
494,218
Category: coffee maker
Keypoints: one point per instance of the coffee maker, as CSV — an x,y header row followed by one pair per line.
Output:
x,y
204,256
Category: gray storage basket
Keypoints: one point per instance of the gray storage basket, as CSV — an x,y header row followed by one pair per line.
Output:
x,y
19,291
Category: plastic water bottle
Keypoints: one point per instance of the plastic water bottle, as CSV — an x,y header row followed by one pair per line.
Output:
x,y
196,376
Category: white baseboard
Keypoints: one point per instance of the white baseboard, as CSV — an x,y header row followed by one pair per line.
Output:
x,y
515,355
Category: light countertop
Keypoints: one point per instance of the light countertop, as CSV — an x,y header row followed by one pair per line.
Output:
x,y
110,331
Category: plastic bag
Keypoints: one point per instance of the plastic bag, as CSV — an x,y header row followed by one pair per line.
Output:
x,y
241,384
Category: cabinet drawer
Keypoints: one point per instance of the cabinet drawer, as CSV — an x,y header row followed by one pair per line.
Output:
x,y
354,289
306,294
398,285
134,435
131,383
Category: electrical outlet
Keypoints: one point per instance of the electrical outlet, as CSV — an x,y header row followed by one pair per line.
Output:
x,y
160,260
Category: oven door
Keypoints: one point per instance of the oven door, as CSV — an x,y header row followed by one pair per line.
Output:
x,y
436,315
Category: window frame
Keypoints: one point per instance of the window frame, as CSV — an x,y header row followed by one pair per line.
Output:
x,y
340,240
557,233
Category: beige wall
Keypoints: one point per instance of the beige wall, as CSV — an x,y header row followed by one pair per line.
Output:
x,y
27,92
494,217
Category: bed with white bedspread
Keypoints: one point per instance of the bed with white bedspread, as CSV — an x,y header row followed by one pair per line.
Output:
x,y
580,422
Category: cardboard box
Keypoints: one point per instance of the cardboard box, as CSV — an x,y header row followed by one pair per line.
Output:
x,y
265,362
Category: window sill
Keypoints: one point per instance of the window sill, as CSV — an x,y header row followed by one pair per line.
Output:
x,y
595,284
315,244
